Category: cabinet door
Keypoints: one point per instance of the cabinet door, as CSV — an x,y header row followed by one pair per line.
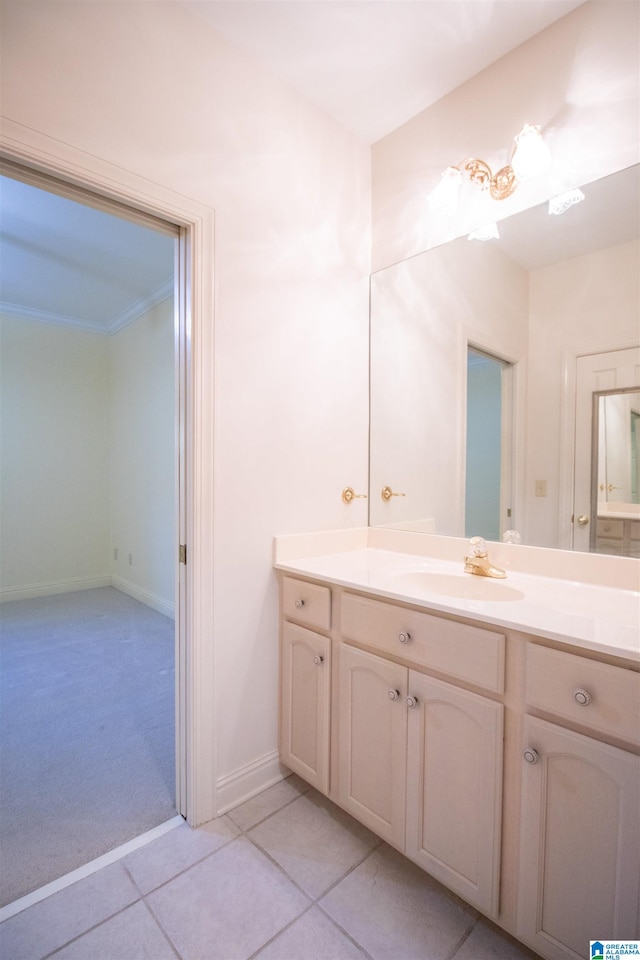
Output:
x,y
372,725
580,842
305,681
454,788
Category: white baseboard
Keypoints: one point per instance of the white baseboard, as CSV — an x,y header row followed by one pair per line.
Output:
x,y
144,596
50,589
248,781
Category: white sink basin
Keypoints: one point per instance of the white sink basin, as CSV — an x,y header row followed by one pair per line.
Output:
x,y
464,586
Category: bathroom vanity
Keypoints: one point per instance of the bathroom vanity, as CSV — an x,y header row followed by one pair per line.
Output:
x,y
487,729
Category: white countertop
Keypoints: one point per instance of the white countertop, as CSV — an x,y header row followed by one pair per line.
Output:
x,y
592,617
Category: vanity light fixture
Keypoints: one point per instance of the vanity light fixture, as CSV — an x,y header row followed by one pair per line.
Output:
x,y
561,203
530,157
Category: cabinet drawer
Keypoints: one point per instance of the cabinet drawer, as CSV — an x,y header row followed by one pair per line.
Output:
x,y
612,529
555,679
634,529
459,650
308,603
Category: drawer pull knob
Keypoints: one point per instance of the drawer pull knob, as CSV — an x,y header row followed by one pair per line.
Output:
x,y
404,637
318,659
531,755
412,702
299,603
583,697
393,694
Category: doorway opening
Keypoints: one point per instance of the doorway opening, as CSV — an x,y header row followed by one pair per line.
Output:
x,y
488,483
93,425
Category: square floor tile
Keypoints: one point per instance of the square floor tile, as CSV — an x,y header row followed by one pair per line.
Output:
x,y
175,851
486,942
251,812
314,841
393,909
133,934
227,906
312,937
50,924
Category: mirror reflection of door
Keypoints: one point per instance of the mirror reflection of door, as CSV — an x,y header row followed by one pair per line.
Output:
x,y
601,522
488,445
614,491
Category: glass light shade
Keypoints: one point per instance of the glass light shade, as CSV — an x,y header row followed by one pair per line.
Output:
x,y
531,155
559,204
444,199
488,232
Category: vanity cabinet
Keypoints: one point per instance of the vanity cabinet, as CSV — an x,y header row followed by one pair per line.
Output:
x,y
372,741
619,536
579,862
580,839
304,704
420,764
504,765
305,681
454,788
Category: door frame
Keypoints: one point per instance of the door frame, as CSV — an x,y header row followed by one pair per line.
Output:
x,y
195,705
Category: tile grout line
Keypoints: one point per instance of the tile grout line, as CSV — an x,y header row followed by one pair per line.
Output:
x,y
161,928
463,939
88,869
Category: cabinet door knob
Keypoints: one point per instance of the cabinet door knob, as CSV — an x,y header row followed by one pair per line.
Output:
x,y
318,659
412,702
583,697
393,694
531,755
299,603
404,637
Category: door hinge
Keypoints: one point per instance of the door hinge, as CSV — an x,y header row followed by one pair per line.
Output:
x,y
182,553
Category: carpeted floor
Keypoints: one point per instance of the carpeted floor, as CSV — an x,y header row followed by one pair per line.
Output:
x,y
87,731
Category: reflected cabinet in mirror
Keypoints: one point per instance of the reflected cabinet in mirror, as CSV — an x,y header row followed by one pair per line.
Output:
x,y
554,304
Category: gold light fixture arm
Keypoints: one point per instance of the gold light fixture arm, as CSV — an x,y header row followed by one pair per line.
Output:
x,y
500,185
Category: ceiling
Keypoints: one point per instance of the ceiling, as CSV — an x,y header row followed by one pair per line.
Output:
x,y
371,64
69,264
374,64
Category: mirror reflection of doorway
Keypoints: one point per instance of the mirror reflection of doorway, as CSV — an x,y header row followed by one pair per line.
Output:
x,y
488,511
615,503
599,522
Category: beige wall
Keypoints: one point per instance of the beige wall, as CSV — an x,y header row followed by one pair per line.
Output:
x,y
142,452
578,79
153,89
54,438
87,435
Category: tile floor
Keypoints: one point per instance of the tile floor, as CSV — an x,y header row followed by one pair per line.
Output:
x,y
285,876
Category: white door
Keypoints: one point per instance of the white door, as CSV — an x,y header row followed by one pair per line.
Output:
x,y
617,370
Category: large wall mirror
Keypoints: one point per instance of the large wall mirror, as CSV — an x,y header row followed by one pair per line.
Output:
x,y
555,303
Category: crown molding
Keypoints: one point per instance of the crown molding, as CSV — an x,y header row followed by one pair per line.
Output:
x,y
128,316
140,307
48,316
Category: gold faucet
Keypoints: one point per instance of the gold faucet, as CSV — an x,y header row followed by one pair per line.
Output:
x,y
478,562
